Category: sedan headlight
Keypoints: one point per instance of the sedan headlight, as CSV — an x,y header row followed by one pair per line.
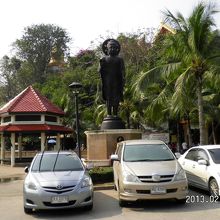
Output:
x,y
31,185
86,182
129,177
180,175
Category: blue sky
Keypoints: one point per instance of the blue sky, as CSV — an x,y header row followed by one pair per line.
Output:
x,y
85,20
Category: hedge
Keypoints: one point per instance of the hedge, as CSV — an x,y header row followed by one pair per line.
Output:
x,y
101,174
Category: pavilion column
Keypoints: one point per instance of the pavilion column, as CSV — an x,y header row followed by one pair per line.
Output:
x,y
20,146
2,148
12,149
43,141
58,141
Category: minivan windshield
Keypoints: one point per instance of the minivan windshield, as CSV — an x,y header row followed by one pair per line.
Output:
x,y
54,162
147,152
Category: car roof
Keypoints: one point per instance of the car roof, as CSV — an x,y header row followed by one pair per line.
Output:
x,y
207,147
142,141
55,152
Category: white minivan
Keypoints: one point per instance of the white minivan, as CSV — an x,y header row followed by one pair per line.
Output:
x,y
147,169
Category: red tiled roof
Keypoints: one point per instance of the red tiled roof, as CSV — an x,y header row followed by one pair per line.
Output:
x,y
30,100
35,127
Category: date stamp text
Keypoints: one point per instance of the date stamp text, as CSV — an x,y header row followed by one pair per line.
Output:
x,y
201,199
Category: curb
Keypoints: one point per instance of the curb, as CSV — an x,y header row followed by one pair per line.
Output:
x,y
103,187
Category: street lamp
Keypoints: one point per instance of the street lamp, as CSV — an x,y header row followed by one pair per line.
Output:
x,y
75,86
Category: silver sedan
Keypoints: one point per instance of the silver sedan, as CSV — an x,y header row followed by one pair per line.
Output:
x,y
57,180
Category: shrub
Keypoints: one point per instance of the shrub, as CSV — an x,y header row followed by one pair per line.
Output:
x,y
101,174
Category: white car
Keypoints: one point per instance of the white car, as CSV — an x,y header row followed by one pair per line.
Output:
x,y
57,180
202,166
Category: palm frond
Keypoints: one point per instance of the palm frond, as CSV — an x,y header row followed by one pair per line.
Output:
x,y
145,79
99,113
159,105
171,19
181,100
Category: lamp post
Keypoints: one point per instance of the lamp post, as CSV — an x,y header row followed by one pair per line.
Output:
x,y
75,86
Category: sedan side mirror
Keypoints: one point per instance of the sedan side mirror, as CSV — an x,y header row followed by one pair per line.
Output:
x,y
26,169
114,157
203,162
178,155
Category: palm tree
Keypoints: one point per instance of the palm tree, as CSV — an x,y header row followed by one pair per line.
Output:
x,y
211,105
131,110
189,54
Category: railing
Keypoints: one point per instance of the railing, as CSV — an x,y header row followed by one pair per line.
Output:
x,y
24,154
33,153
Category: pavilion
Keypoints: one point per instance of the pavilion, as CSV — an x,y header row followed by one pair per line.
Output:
x,y
30,113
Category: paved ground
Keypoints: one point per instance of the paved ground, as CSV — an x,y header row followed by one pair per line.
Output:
x,y
105,205
106,208
6,171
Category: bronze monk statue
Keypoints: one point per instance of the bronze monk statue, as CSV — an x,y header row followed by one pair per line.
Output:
x,y
112,71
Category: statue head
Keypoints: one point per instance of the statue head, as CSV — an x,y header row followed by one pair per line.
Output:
x,y
111,47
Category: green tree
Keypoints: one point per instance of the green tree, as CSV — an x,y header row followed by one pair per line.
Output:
x,y
80,68
9,68
37,45
135,48
211,95
190,54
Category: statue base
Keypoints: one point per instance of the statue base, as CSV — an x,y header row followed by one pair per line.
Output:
x,y
112,122
102,143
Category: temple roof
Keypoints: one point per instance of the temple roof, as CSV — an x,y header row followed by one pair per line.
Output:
x,y
30,101
165,28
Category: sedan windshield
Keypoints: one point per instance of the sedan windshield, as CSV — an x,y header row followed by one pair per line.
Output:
x,y
54,162
147,152
215,154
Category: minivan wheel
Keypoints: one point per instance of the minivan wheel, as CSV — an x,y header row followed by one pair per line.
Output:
x,y
122,203
28,210
213,188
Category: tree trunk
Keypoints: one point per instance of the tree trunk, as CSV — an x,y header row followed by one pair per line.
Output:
x,y
213,133
203,140
178,135
128,119
189,134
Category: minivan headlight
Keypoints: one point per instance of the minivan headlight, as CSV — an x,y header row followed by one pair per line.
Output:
x,y
129,177
180,175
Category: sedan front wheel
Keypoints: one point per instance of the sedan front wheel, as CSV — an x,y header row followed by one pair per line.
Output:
x,y
28,210
213,187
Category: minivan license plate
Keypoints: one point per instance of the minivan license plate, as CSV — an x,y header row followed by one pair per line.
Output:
x,y
158,190
59,199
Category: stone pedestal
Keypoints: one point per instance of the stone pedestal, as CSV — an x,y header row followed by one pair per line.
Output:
x,y
102,143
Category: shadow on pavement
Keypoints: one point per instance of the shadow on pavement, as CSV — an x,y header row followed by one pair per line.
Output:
x,y
197,200
104,206
10,179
